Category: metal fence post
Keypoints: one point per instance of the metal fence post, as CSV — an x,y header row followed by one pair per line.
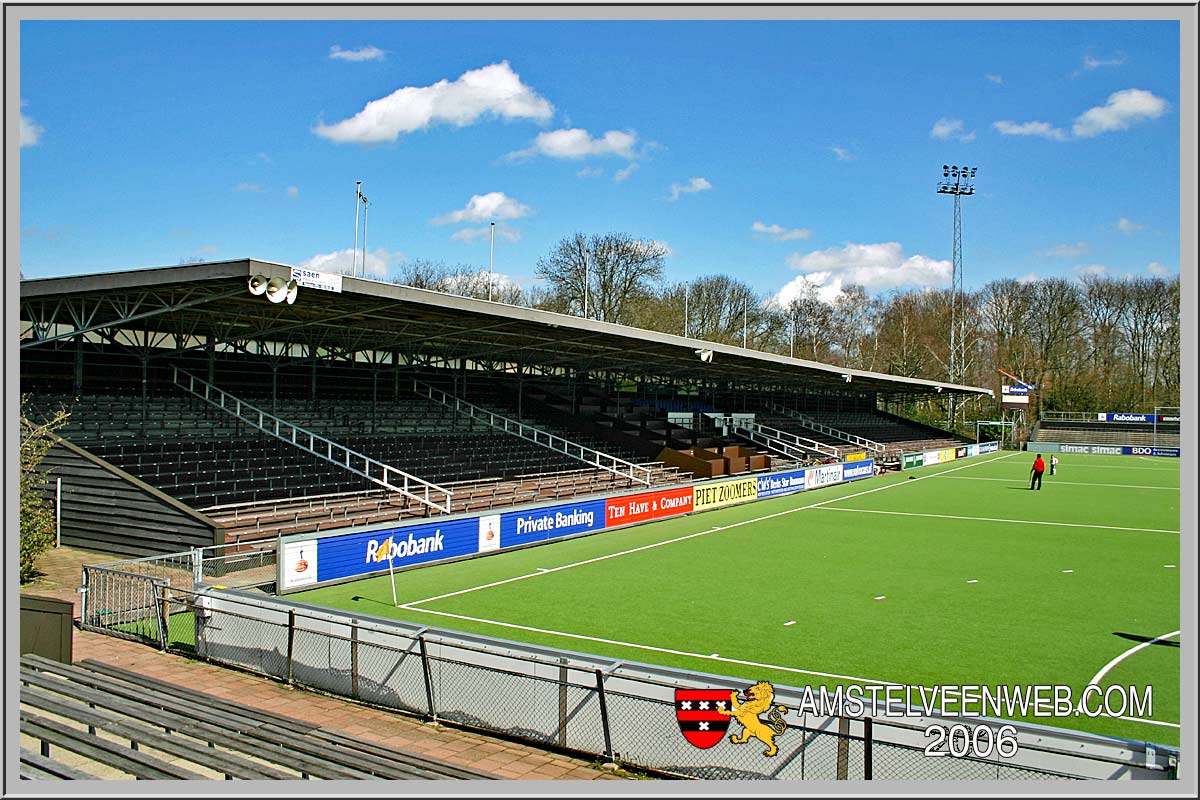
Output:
x,y
197,566
843,749
291,642
162,605
868,749
428,678
608,750
354,658
562,702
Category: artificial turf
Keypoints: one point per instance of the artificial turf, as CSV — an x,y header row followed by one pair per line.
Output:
x,y
975,589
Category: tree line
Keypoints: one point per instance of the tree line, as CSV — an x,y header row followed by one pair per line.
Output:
x,y
1095,344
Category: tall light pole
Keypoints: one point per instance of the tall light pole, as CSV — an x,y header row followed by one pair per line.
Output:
x,y
585,282
364,258
957,181
354,251
685,310
491,260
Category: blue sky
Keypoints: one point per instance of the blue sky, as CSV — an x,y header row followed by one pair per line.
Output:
x,y
765,150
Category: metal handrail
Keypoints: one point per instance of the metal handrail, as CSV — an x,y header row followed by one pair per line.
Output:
x,y
371,469
809,422
604,461
796,441
771,444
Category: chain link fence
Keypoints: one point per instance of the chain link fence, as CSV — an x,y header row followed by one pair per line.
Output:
x,y
576,703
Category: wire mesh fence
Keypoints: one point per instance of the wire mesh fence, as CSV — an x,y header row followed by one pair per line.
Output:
x,y
557,699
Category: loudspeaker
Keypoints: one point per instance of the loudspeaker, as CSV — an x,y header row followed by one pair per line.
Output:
x,y
258,284
279,290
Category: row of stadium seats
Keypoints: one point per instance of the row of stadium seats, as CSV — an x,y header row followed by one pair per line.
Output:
x,y
1071,432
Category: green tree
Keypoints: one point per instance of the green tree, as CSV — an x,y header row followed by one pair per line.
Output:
x,y
37,515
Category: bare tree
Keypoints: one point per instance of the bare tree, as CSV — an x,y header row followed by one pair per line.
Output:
x,y
606,273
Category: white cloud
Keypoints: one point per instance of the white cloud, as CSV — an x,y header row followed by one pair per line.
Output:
x,y
1122,110
293,191
29,132
368,53
578,143
1083,270
590,172
491,90
1042,129
378,262
248,187
947,128
1155,268
1128,226
780,233
1029,277
505,232
1091,62
207,250
873,266
693,185
842,154
622,175
485,207
997,79
1066,250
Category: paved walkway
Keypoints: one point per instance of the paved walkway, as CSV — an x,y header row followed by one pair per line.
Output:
x,y
61,570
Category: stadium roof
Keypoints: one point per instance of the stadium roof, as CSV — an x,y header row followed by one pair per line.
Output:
x,y
180,306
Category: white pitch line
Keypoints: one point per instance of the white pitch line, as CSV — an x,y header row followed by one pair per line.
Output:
x,y
1067,483
544,571
1099,676
1145,721
994,519
711,657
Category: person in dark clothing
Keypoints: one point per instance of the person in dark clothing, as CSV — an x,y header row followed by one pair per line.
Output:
x,y
1035,474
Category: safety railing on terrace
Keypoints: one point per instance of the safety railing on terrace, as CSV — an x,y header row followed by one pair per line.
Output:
x,y
430,494
811,423
788,443
591,705
618,466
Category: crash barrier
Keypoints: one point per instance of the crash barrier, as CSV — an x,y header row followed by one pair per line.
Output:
x,y
1103,449
314,559
947,454
627,712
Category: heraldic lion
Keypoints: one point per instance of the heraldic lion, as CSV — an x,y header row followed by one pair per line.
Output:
x,y
758,701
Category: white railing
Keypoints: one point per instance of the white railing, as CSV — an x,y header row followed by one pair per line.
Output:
x,y
773,437
812,424
613,464
769,443
375,471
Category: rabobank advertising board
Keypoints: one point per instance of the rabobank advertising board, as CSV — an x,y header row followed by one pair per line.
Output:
x,y
360,553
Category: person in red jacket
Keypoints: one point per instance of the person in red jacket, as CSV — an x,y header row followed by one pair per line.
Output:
x,y
1035,474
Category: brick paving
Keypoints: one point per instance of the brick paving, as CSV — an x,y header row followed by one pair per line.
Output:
x,y
61,577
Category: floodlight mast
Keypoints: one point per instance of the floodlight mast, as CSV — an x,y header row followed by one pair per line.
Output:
x,y
354,250
963,178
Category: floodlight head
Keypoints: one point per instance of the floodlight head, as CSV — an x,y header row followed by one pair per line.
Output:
x,y
257,284
705,355
939,389
847,377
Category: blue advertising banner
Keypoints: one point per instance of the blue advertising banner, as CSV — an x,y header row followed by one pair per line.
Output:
x,y
858,469
782,483
1127,417
1165,452
988,447
540,524
358,554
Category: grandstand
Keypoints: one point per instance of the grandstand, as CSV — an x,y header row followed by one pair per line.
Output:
x,y
197,405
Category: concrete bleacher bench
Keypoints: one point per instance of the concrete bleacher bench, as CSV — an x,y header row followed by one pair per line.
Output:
x,y
156,730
